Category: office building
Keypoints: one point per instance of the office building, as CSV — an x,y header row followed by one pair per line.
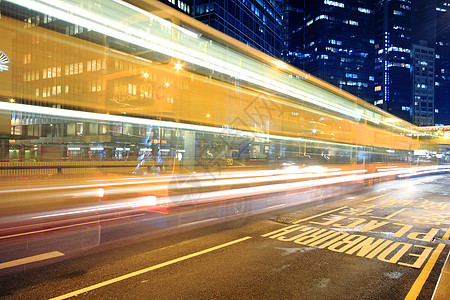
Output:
x,y
393,28
257,23
422,78
294,33
442,61
181,5
335,43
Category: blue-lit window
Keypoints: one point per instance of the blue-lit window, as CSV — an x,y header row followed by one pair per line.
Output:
x,y
406,108
371,78
334,3
354,23
351,75
398,13
436,111
365,10
372,41
334,42
321,17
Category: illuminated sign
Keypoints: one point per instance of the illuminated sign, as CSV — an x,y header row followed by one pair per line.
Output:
x,y
4,61
421,152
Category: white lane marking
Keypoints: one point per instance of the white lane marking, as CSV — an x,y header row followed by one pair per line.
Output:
x,y
30,259
143,271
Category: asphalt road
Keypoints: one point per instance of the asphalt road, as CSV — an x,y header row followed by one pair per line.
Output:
x,y
389,242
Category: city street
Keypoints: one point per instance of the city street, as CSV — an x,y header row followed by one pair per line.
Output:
x,y
388,242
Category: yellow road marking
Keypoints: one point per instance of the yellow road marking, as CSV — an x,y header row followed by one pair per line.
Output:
x,y
396,213
63,227
30,259
376,197
446,235
327,212
423,276
126,276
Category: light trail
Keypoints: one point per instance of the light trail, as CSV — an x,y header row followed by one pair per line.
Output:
x,y
315,180
150,39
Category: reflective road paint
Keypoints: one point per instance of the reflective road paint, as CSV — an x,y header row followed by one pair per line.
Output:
x,y
30,259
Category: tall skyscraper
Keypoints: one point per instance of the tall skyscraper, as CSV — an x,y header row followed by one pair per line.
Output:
x,y
393,28
394,54
442,67
422,79
258,23
335,43
423,39
294,33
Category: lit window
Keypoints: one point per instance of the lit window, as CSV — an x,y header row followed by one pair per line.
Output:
x,y
365,10
351,75
334,3
321,17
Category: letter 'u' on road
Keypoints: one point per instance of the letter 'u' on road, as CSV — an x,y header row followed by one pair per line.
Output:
x,y
346,243
365,246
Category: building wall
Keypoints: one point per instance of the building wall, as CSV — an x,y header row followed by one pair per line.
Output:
x,y
181,5
392,64
257,23
442,70
422,72
337,43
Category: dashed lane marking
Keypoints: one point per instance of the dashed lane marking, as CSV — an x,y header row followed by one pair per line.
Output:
x,y
376,197
315,216
136,273
30,259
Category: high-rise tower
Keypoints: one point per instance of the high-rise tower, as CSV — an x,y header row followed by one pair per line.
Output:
x,y
335,42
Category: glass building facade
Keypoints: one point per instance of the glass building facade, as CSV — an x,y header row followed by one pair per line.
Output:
x,y
442,69
393,63
257,23
294,33
422,72
335,43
